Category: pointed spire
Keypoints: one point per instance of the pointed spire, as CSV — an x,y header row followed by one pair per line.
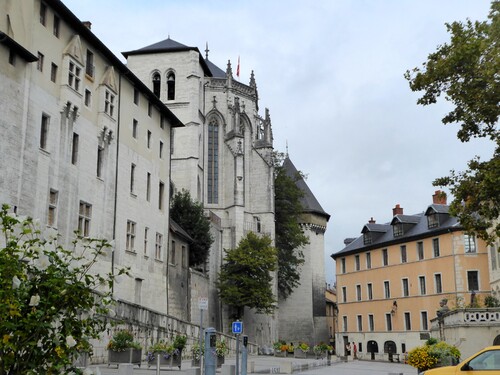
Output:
x,y
252,80
229,71
206,51
286,153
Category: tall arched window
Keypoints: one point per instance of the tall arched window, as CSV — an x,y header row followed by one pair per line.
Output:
x,y
171,86
157,84
213,162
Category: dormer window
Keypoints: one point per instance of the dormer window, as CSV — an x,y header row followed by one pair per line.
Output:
x,y
432,220
171,86
367,238
398,229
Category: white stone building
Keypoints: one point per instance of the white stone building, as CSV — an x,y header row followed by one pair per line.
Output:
x,y
85,144
222,155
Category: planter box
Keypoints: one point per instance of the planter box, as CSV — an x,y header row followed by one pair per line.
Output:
x,y
220,361
279,353
128,356
171,361
299,353
195,363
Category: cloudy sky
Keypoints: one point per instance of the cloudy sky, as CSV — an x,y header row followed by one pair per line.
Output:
x,y
331,74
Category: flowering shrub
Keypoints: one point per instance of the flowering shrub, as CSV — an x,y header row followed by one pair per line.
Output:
x,y
321,348
164,349
303,346
123,340
427,356
48,307
197,351
280,346
221,348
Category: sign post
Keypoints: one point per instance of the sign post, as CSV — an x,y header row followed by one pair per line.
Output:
x,y
203,305
237,330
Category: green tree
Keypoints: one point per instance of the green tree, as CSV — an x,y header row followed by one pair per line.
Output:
x,y
189,215
48,306
246,277
289,235
466,72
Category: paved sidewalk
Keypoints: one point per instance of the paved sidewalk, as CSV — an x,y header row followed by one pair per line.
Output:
x,y
265,365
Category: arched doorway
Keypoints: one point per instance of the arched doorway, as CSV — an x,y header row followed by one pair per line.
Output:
x,y
497,340
372,348
390,348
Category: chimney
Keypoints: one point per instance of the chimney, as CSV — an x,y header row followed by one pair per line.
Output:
x,y
397,210
87,24
371,221
439,197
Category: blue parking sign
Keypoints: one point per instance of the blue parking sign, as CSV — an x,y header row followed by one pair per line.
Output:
x,y
237,328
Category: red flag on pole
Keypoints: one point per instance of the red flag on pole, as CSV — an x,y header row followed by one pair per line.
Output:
x,y
238,68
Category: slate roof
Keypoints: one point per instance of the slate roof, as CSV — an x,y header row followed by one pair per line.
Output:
x,y
309,201
417,231
169,45
179,231
216,71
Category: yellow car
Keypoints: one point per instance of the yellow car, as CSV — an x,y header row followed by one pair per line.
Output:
x,y
486,361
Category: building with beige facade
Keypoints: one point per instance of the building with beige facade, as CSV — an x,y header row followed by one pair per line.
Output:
x,y
392,279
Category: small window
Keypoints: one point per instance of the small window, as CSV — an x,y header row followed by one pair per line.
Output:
x,y
100,161
43,13
406,288
368,260
358,292
74,149
469,243
89,66
52,211
109,103
158,246
344,294
438,283
171,86
344,323
473,280
74,74
421,281
146,230
149,139
356,262
371,323
84,217
342,265
132,178
403,254
367,238
432,221
88,97
360,323
150,109
424,321
57,24
387,289
161,190
388,322
130,242
148,186
370,291
407,321
435,247
161,150
136,96
397,229
39,63
135,126
420,250
44,131
184,257
157,84
138,291
385,257
53,72
172,253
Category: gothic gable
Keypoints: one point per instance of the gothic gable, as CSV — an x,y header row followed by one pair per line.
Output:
x,y
109,78
74,49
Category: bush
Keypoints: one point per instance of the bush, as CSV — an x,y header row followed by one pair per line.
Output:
x,y
123,340
433,353
48,306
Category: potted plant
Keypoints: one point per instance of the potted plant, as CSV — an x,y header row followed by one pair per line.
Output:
x,y
197,352
123,349
322,350
163,352
280,348
221,350
179,345
301,350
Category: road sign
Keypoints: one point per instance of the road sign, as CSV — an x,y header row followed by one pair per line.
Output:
x,y
203,303
237,327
